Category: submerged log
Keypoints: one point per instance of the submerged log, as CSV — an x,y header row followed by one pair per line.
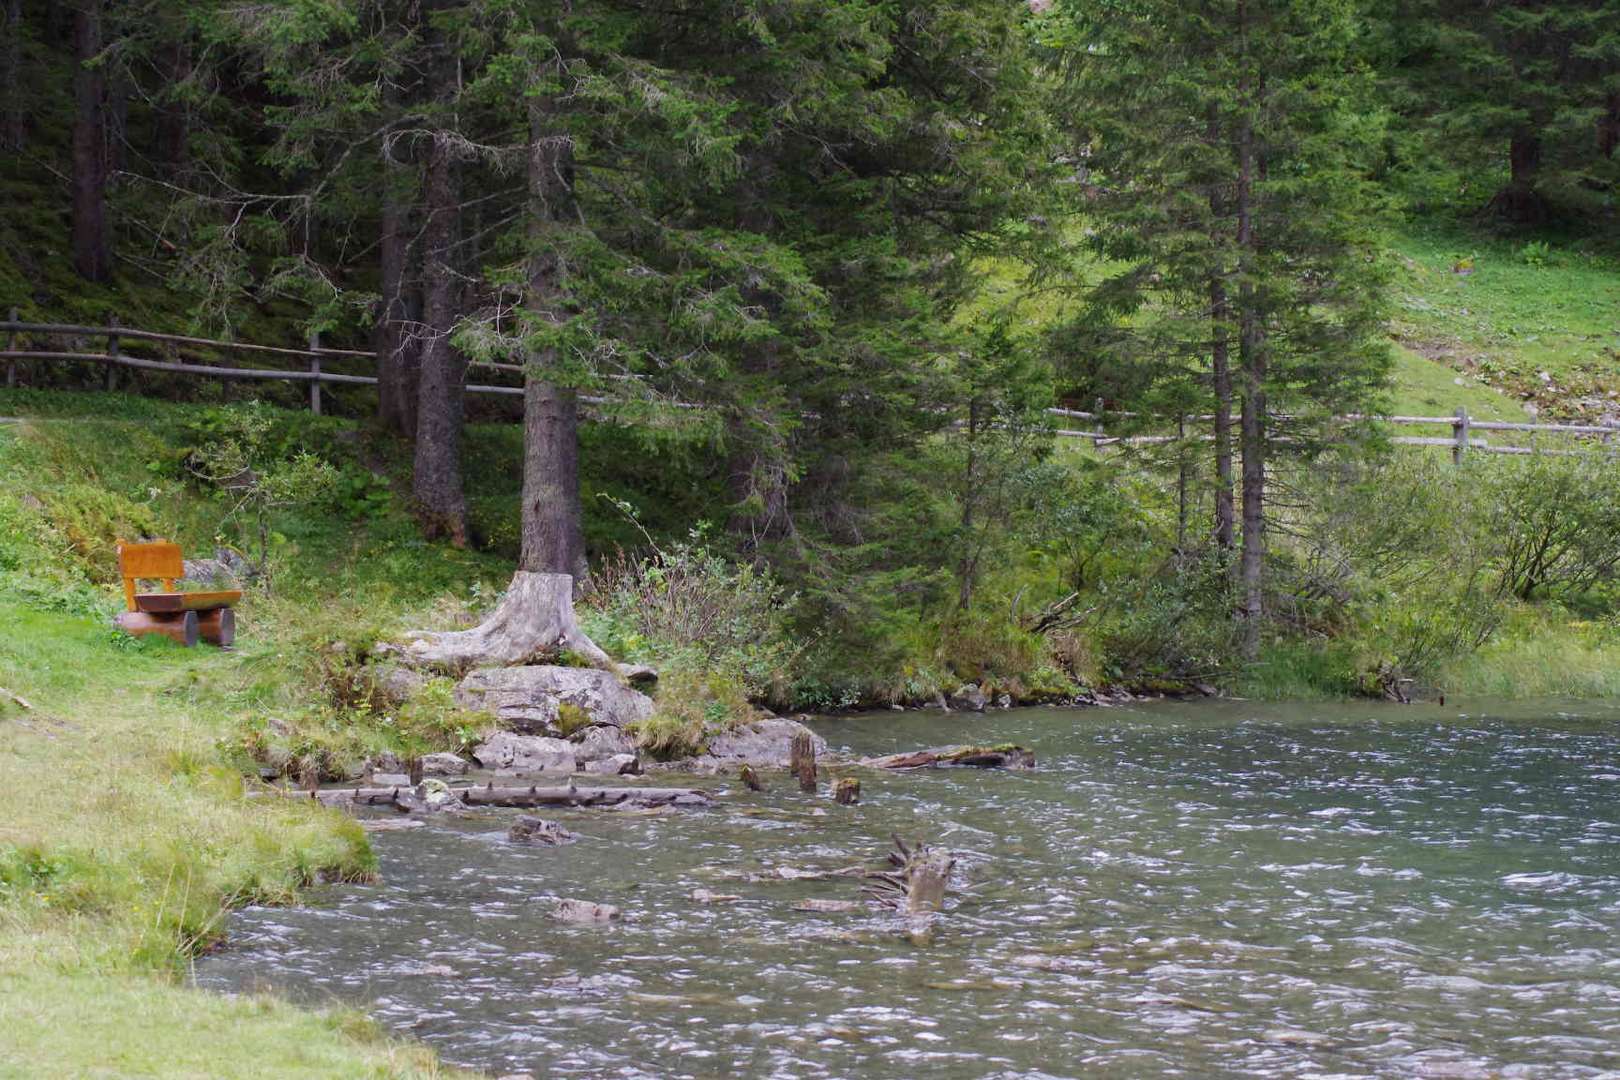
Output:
x,y
1008,756
405,797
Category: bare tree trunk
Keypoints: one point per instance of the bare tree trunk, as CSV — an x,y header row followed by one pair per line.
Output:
x,y
553,532
14,129
90,254
1608,128
437,481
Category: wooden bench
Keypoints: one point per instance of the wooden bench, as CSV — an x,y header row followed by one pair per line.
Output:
x,y
183,616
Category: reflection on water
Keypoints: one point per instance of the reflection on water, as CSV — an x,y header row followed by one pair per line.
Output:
x,y
1178,890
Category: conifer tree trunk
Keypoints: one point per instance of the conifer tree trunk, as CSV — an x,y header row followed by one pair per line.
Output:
x,y
13,127
398,350
1520,202
174,119
1252,358
553,534
437,467
1221,371
90,254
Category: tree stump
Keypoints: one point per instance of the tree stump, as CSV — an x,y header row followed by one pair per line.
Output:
x,y
534,621
847,792
750,778
802,761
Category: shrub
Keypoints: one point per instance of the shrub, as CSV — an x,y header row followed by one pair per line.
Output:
x,y
688,607
692,706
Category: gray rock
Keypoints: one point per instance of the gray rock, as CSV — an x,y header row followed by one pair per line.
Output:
x,y
584,913
937,702
639,675
766,743
386,762
525,699
617,765
397,684
970,697
600,741
384,779
528,829
1004,701
525,753
444,765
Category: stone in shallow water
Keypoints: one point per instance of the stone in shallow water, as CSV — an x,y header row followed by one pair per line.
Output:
x,y
617,765
528,829
584,912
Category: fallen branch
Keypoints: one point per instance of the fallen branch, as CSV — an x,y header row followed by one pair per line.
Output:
x,y
18,698
979,757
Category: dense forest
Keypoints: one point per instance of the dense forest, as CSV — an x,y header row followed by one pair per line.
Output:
x,y
605,410
795,289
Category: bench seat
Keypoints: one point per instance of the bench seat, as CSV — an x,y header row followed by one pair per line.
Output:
x,y
186,601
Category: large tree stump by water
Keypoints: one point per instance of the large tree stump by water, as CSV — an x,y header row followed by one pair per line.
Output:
x,y
534,621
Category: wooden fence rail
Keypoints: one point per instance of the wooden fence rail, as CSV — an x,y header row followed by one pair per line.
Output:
x,y
1461,441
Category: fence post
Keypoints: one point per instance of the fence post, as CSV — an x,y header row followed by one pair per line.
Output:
x,y
315,366
1460,428
112,353
11,346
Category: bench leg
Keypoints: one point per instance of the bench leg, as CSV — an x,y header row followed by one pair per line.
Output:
x,y
217,627
181,626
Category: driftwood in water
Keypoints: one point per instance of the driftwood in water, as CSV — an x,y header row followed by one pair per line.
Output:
x,y
490,795
534,621
802,761
847,791
978,757
916,884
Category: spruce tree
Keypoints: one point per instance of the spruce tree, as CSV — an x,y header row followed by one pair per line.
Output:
x,y
1527,91
1225,193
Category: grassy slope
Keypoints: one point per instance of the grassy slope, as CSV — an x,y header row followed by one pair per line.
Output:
x,y
123,836
1514,314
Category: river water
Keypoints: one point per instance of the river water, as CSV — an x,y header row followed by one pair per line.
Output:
x,y
1195,890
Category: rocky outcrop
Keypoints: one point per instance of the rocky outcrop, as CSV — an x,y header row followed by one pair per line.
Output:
x,y
525,699
766,743
969,697
601,741
508,752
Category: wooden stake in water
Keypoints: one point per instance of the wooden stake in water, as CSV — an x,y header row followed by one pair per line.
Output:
x,y
802,761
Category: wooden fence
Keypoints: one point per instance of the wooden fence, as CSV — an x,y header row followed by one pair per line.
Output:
x,y
1461,441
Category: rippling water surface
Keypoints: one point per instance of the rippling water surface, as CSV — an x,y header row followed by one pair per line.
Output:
x,y
1177,890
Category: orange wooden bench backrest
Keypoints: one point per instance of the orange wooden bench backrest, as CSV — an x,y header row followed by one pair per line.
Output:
x,y
160,560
